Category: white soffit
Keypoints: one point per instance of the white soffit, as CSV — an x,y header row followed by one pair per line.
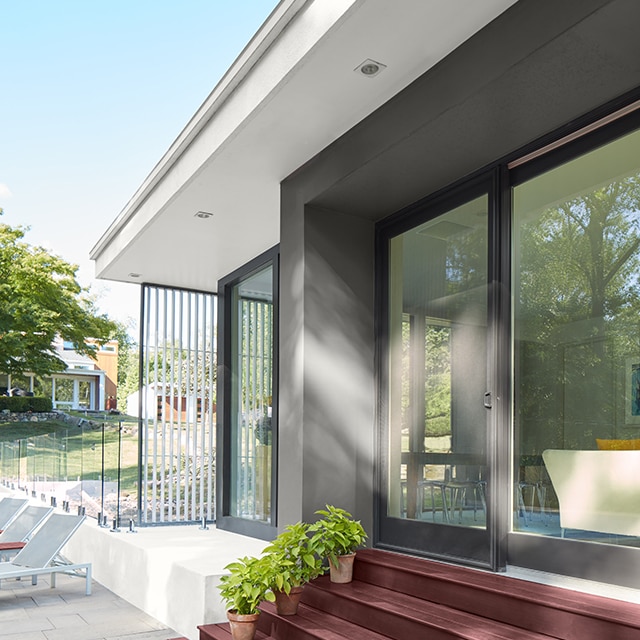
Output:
x,y
290,93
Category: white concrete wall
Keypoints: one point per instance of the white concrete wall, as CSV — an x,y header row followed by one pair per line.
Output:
x,y
169,572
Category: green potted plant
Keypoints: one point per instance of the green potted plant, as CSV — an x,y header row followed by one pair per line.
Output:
x,y
246,585
336,536
293,563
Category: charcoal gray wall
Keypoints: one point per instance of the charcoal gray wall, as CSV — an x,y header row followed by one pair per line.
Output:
x,y
539,66
327,365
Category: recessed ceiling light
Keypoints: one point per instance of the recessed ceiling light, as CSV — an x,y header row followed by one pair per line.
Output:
x,y
370,68
134,275
203,215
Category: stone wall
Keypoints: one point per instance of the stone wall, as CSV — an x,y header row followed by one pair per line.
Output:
x,y
29,416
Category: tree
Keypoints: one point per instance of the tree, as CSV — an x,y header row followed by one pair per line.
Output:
x,y
578,275
40,298
128,364
128,377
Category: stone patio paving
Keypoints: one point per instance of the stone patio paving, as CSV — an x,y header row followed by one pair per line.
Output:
x,y
38,612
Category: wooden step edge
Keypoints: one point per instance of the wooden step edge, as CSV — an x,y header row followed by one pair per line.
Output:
x,y
368,602
554,597
221,631
313,624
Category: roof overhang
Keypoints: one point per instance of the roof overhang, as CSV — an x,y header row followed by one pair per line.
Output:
x,y
293,90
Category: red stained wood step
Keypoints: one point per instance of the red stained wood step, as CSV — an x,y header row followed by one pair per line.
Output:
x,y
399,597
399,616
560,613
312,624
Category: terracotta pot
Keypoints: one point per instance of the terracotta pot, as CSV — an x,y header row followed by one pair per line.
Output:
x,y
343,573
243,627
287,603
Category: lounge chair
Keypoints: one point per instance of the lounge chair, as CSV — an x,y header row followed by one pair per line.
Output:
x,y
21,528
41,555
9,509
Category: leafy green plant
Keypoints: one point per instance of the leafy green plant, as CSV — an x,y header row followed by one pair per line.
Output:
x,y
25,403
336,533
246,585
292,558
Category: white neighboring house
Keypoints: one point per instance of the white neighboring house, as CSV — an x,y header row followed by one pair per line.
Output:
x,y
82,385
87,383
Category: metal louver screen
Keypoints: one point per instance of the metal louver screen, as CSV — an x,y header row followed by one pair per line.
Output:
x,y
177,405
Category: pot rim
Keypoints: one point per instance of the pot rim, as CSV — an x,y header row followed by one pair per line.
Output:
x,y
232,614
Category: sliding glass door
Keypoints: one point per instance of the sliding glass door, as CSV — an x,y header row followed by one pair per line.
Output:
x,y
436,478
509,363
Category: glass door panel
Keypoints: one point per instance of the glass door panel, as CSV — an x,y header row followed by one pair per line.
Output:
x,y
436,442
84,394
576,271
251,396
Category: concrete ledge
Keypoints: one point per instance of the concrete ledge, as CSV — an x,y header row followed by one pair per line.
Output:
x,y
170,572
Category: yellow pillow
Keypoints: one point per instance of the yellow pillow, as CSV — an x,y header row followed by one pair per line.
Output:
x,y
618,445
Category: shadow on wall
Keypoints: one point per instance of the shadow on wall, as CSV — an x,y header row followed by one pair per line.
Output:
x,y
339,389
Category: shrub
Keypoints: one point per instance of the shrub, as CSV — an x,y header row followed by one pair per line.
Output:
x,y
40,405
21,404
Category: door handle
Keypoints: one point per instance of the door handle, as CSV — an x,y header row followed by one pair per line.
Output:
x,y
487,400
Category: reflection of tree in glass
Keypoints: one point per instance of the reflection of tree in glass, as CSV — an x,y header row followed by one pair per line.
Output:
x,y
466,262
437,377
437,391
580,258
577,282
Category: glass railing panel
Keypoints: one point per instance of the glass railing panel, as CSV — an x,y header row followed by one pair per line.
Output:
x,y
89,468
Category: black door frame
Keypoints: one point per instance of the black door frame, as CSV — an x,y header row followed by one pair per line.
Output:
x,y
476,547
224,519
600,562
607,563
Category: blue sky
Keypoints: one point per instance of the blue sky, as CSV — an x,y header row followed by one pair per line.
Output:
x,y
93,93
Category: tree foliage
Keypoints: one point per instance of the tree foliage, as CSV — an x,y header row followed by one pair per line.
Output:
x,y
40,298
578,275
128,365
581,258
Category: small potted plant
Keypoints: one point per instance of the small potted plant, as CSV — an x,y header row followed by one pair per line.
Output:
x,y
246,585
293,563
336,536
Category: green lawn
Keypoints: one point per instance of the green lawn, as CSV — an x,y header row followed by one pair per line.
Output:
x,y
16,430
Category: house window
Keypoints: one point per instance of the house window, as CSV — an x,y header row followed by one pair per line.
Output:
x,y
64,392
248,337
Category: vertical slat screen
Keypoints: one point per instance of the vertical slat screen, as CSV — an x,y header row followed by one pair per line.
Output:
x,y
177,405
